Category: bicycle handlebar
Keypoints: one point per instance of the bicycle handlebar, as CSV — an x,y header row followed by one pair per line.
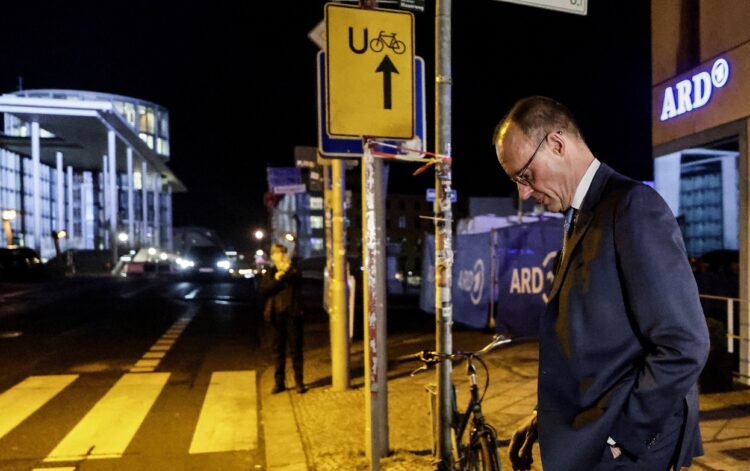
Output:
x,y
432,358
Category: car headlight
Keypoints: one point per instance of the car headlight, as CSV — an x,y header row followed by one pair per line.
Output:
x,y
184,263
223,264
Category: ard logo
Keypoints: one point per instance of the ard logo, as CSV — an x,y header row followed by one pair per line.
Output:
x,y
688,95
531,280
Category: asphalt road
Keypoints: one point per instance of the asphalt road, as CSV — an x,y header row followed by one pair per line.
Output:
x,y
130,374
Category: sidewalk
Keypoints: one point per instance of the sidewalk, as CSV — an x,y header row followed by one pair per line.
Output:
x,y
328,426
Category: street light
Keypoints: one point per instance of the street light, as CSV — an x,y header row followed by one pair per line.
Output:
x,y
8,215
259,234
56,236
289,236
122,237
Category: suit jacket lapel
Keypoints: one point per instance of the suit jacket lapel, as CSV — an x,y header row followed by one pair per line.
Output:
x,y
583,220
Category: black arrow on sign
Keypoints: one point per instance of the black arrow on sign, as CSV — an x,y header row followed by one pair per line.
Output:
x,y
387,68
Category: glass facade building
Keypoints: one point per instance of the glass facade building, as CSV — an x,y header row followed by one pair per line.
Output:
x,y
92,164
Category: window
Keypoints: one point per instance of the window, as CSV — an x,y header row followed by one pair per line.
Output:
x,y
316,243
148,139
146,122
316,222
402,222
316,202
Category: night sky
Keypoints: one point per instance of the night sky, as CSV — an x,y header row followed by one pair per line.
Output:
x,y
239,81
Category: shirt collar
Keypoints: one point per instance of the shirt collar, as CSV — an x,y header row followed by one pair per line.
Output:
x,y
584,184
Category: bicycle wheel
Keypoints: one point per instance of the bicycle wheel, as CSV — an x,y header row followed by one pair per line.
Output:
x,y
376,45
482,453
399,47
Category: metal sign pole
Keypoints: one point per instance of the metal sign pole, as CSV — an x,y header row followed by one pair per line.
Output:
x,y
373,254
443,226
338,311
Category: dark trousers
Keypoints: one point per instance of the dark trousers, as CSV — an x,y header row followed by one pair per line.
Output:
x,y
287,329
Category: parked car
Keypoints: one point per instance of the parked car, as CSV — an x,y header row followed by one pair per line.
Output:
x,y
20,264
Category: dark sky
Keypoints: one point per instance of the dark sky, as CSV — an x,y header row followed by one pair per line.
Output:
x,y
239,81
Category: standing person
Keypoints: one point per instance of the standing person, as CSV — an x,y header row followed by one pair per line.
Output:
x,y
281,289
624,338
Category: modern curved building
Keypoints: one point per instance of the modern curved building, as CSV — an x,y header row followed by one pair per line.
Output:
x,y
92,164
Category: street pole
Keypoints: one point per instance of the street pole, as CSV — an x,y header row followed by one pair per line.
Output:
x,y
374,303
339,316
443,227
328,224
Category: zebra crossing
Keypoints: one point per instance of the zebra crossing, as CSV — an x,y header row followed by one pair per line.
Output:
x,y
227,420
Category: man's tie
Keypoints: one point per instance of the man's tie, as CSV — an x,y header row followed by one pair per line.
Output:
x,y
570,215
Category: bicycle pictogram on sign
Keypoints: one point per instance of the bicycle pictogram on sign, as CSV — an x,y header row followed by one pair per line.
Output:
x,y
389,41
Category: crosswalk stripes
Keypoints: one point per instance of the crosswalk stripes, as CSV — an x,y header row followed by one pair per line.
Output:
x,y
108,428
229,416
227,422
27,397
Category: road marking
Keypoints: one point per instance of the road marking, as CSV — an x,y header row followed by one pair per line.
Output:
x,y
25,398
229,419
108,428
192,294
151,359
141,369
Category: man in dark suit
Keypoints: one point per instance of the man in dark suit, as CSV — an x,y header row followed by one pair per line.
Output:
x,y
623,339
280,286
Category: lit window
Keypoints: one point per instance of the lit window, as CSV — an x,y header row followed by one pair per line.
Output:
x,y
137,180
316,243
316,202
316,222
146,122
128,111
148,139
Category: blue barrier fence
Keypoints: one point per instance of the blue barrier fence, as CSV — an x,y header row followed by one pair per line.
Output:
x,y
500,278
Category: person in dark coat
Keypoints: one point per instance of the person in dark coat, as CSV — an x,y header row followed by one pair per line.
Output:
x,y
280,287
623,339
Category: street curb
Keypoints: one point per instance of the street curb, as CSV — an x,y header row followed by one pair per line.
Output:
x,y
281,435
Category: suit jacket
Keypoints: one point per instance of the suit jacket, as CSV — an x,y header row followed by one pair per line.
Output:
x,y
283,295
624,338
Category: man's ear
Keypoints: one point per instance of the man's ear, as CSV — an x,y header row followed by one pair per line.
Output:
x,y
557,143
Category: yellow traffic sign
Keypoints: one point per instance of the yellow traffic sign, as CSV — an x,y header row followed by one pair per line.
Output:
x,y
370,72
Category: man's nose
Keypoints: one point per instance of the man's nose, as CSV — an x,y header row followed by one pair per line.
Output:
x,y
524,191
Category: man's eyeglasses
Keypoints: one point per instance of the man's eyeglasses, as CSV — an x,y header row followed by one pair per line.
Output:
x,y
520,176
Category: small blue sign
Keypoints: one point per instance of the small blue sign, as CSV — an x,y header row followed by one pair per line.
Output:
x,y
283,176
346,147
431,195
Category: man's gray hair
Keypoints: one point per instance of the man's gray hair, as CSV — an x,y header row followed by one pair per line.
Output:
x,y
537,116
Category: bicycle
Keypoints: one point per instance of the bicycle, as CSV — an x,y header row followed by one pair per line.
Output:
x,y
389,41
480,453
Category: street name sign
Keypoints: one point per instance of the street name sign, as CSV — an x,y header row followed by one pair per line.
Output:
x,y
369,72
578,7
285,180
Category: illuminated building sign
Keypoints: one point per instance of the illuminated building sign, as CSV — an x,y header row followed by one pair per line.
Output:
x,y
688,95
